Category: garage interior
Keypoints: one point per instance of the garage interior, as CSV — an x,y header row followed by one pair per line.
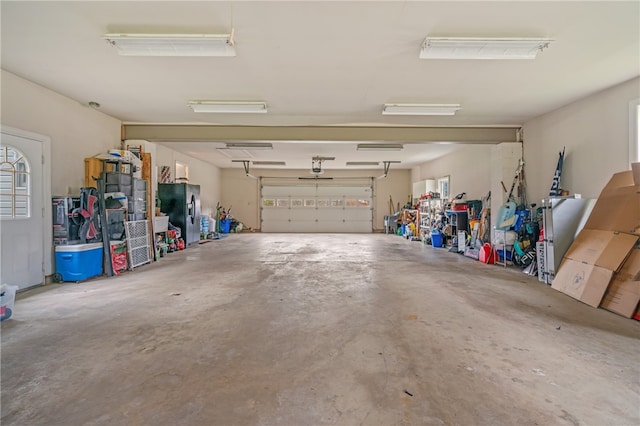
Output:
x,y
314,310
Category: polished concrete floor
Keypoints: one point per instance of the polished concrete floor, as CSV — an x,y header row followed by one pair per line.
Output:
x,y
275,329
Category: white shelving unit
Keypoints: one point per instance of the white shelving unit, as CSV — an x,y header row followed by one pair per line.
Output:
x,y
430,212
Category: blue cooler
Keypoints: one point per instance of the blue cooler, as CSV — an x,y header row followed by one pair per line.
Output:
x,y
79,262
436,238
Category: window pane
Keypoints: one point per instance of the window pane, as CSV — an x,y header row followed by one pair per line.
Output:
x,y
5,208
22,166
15,200
6,182
22,206
22,182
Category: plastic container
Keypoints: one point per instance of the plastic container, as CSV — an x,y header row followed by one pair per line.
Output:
x,y
487,254
204,224
79,261
7,300
225,225
436,238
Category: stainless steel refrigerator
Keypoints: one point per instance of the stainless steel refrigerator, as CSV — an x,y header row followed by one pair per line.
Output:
x,y
181,202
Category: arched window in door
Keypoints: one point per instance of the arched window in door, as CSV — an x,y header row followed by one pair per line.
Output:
x,y
15,184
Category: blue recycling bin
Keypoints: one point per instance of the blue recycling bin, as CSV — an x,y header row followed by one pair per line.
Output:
x,y
225,225
436,238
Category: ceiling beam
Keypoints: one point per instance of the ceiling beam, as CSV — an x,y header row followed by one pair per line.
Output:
x,y
200,133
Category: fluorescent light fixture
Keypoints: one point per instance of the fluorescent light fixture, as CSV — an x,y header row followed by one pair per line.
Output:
x,y
482,48
362,163
228,107
420,109
172,44
379,147
248,146
315,178
268,163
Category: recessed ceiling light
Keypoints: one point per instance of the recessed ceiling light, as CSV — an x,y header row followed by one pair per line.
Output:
x,y
420,109
172,44
482,48
379,147
229,107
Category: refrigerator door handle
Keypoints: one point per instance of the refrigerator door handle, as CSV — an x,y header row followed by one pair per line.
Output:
x,y
192,209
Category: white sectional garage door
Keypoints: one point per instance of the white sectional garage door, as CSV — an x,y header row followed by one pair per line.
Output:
x,y
317,206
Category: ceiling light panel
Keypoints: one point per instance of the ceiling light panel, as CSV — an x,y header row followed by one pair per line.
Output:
x,y
482,48
362,163
228,107
234,153
249,146
172,44
420,109
379,147
269,163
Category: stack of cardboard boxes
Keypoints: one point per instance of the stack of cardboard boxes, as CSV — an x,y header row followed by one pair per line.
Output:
x,y
602,266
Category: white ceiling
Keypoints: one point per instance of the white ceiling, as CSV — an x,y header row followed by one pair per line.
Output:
x,y
323,63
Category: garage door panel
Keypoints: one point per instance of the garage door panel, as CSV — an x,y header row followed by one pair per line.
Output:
x,y
357,214
333,226
317,208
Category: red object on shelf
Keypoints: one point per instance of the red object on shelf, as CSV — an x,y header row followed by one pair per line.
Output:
x,y
459,207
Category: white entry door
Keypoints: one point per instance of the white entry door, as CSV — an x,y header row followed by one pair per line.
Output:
x,y
21,211
314,207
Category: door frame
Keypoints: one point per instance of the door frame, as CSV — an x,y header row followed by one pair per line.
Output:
x,y
47,221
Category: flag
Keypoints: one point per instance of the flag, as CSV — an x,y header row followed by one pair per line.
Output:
x,y
555,184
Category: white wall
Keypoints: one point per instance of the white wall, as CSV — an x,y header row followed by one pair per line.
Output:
x,y
595,132
200,173
469,168
242,193
76,132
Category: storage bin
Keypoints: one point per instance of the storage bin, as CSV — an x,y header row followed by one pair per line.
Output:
x,y
139,184
7,300
79,261
118,179
436,238
225,225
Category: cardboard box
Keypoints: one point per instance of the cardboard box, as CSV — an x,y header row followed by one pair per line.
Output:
x,y
589,264
623,294
601,248
606,249
618,206
582,281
